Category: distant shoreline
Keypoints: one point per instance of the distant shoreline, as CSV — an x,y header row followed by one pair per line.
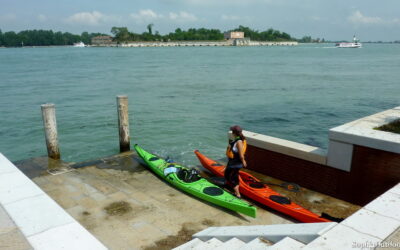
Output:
x,y
187,44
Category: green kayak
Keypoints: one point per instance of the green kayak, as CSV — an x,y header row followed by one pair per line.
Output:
x,y
189,181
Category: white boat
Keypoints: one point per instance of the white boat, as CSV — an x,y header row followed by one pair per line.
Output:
x,y
79,45
355,44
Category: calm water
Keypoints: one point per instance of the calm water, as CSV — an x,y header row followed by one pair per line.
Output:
x,y
181,99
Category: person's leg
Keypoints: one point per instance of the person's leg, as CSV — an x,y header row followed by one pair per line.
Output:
x,y
235,177
237,193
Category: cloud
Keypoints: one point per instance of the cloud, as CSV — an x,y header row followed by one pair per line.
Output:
x,y
146,16
182,16
42,18
358,18
216,2
89,18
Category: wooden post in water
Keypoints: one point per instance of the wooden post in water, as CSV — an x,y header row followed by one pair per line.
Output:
x,y
50,130
123,123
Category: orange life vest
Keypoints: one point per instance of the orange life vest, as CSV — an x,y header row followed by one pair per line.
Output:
x,y
229,150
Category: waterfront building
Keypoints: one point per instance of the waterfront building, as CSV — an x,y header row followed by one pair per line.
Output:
x,y
102,40
234,35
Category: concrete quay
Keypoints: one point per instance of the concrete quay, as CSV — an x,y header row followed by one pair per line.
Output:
x,y
125,206
198,44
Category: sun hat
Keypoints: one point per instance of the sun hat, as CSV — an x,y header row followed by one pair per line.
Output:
x,y
236,129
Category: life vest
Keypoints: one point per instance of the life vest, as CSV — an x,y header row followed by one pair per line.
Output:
x,y
229,150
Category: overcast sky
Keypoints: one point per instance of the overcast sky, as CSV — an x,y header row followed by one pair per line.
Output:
x,y
369,20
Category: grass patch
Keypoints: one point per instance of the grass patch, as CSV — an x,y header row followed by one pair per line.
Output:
x,y
393,127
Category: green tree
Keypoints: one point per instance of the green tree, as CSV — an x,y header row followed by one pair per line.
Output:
x,y
150,28
1,39
10,39
85,38
121,34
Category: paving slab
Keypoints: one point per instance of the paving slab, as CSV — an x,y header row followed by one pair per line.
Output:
x,y
126,206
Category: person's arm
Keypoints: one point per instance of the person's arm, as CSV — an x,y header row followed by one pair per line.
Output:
x,y
241,153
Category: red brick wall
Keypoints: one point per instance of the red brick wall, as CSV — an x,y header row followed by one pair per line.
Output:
x,y
372,173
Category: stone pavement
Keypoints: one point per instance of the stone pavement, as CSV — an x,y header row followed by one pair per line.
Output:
x,y
126,206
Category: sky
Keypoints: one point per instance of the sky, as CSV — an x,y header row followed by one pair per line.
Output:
x,y
369,20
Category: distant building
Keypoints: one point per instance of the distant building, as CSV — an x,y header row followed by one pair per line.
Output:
x,y
102,40
234,35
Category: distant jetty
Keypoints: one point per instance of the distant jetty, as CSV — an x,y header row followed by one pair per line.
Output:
x,y
197,44
231,39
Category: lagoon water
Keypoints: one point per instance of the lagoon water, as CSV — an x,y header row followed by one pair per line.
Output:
x,y
186,98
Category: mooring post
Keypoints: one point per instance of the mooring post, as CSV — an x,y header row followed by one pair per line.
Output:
x,y
123,123
50,130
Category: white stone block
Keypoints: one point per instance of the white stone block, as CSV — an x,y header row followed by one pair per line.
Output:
x,y
362,132
288,244
231,244
340,155
303,232
291,148
70,236
210,244
395,189
16,186
388,204
256,244
6,166
341,237
371,223
37,214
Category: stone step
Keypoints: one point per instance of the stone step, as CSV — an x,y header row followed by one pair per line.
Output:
x,y
288,244
231,244
257,244
303,232
210,244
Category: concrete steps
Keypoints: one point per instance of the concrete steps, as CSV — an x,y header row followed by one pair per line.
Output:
x,y
274,237
288,244
234,244
302,232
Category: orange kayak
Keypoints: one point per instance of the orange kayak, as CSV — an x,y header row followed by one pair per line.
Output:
x,y
252,188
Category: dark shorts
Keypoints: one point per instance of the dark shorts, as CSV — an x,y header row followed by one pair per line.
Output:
x,y
232,175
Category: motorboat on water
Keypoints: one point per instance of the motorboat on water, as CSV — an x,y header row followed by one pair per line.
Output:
x,y
355,44
79,45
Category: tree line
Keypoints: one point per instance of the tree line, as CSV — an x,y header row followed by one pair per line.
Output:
x,y
122,34
43,38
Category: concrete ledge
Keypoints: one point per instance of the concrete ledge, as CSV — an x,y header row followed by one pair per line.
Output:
x,y
298,150
340,155
361,132
41,220
371,225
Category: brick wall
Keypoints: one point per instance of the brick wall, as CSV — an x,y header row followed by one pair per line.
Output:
x,y
372,173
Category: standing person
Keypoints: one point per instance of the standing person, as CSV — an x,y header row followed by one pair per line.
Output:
x,y
235,152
